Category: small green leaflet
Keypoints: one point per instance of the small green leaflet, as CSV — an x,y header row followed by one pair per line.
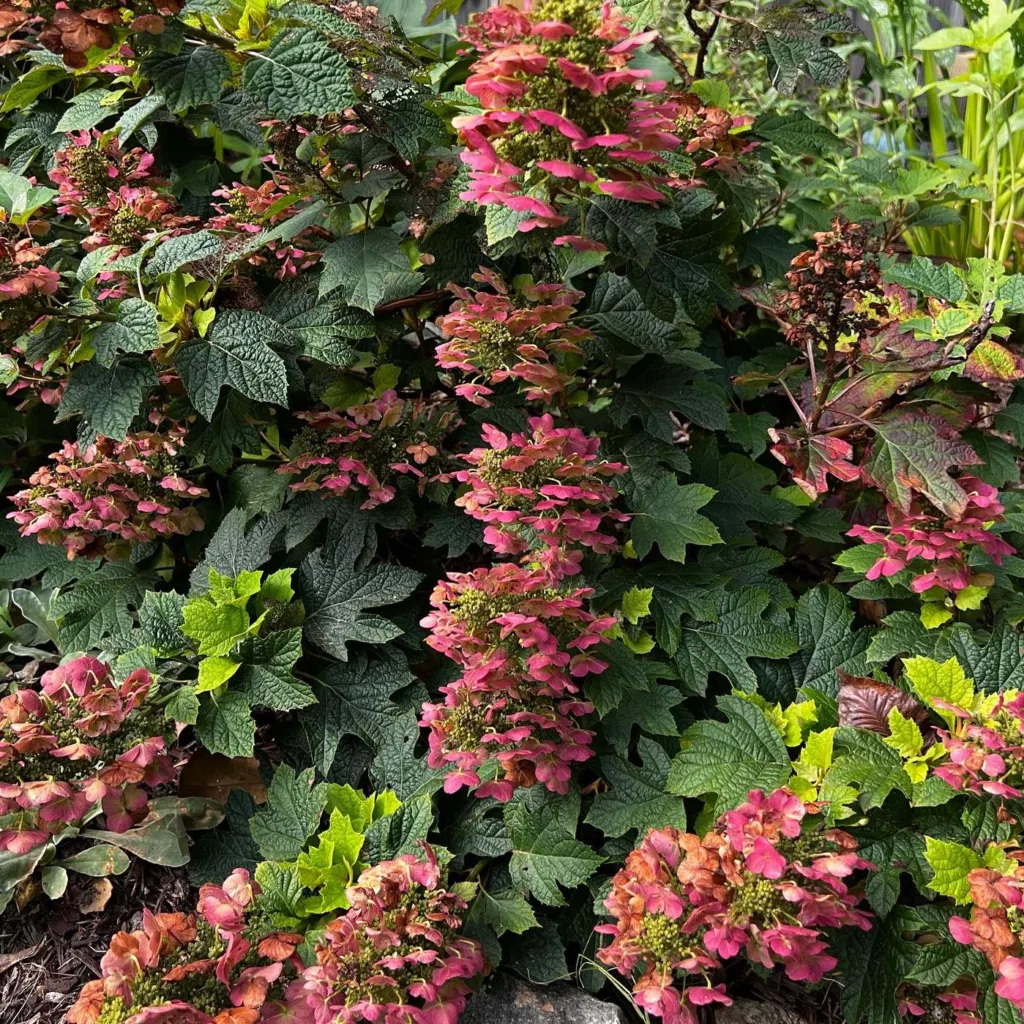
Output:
x,y
108,399
545,855
666,514
135,330
726,646
190,78
336,598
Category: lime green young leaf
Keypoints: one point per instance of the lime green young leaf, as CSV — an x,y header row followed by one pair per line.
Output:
x,y
233,590
278,586
952,863
904,735
934,681
354,805
214,672
216,628
636,604
281,892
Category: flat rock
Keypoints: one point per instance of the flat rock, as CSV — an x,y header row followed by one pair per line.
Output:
x,y
511,1001
746,1011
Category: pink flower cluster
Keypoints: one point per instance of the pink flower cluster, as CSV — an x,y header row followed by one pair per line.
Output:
x,y
994,928
762,882
543,495
225,964
114,192
497,337
563,112
394,956
77,740
925,1004
100,500
985,754
250,210
944,543
368,446
522,643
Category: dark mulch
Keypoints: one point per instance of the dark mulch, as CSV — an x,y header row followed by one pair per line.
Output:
x,y
49,950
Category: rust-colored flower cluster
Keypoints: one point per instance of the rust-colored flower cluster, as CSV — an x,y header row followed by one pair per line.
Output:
x,y
994,927
764,881
73,27
224,964
77,740
115,193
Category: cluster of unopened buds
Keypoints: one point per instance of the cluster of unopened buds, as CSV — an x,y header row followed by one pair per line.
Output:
x,y
114,192
763,881
100,499
523,642
921,1004
543,495
496,337
944,543
995,928
394,956
77,740
369,446
985,749
563,112
250,210
224,964
73,27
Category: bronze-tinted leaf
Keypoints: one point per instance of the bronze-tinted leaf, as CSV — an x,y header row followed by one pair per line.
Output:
x,y
865,703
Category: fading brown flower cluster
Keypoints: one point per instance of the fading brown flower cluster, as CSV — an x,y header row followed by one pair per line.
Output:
x,y
73,27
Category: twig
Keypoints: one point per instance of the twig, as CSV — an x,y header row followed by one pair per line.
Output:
x,y
409,302
674,59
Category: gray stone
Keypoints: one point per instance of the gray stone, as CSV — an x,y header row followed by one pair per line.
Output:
x,y
511,1001
746,1011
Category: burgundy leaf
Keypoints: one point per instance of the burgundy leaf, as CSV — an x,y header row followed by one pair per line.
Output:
x,y
865,703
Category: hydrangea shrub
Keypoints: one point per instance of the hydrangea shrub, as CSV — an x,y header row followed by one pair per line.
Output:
x,y
607,554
